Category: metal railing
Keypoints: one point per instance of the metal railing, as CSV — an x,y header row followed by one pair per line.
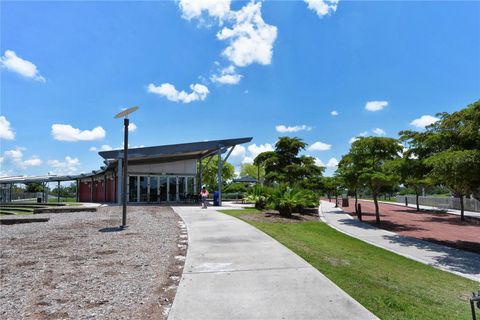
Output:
x,y
443,202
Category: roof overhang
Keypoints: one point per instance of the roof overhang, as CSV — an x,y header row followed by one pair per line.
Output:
x,y
175,152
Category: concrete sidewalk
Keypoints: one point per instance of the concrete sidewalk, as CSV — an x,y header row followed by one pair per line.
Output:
x,y
463,263
234,271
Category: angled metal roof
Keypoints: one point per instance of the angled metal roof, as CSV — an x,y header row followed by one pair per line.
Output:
x,y
193,150
246,179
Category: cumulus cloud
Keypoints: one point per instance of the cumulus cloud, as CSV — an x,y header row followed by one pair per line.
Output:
x,y
332,163
227,75
6,131
374,106
167,90
256,150
65,132
250,38
322,7
361,134
238,154
282,128
25,68
319,146
132,127
319,162
379,132
68,166
424,121
219,9
15,157
334,113
104,147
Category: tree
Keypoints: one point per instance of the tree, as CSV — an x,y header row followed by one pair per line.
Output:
x,y
251,170
285,166
368,156
330,187
459,170
34,187
349,173
210,172
457,131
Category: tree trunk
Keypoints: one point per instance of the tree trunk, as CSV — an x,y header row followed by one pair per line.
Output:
x,y
462,217
377,211
416,199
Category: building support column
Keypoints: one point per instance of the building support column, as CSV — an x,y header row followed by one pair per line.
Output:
x,y
77,193
219,177
201,175
119,180
58,191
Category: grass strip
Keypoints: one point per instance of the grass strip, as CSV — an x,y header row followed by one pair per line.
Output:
x,y
389,285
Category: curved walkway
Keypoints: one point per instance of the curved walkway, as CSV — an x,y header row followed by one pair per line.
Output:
x,y
234,271
463,263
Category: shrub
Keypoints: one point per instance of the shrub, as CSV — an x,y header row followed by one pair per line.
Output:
x,y
287,200
260,195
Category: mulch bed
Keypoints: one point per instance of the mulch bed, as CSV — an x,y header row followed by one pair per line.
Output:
x,y
81,265
442,228
275,217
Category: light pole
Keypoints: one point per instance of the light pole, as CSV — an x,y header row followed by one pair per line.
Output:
x,y
124,114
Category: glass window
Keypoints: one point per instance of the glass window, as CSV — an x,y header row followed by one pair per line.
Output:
x,y
172,184
153,189
163,188
143,189
190,185
132,187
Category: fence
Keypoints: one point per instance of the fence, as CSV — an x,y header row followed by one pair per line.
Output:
x,y
443,202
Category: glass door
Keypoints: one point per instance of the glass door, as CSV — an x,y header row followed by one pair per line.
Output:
x,y
163,189
181,189
143,188
172,189
133,189
153,189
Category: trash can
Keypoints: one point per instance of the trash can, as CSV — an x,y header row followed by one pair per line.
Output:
x,y
39,200
345,202
216,196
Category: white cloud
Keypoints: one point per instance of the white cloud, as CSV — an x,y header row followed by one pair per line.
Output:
x,y
424,121
322,7
361,134
238,154
332,163
248,160
319,162
227,75
69,166
6,131
320,146
104,147
379,132
215,8
256,150
334,113
15,157
14,63
282,128
199,92
65,132
375,105
132,127
250,38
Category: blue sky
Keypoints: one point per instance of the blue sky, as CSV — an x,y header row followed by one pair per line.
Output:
x,y
246,69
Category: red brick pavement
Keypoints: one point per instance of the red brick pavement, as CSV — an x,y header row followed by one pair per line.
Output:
x,y
446,229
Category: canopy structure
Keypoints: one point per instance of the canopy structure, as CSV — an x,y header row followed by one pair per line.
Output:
x,y
246,179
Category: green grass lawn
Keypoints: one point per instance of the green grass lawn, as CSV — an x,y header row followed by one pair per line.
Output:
x,y
62,199
389,285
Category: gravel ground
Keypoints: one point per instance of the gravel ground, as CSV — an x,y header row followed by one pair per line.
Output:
x,y
81,266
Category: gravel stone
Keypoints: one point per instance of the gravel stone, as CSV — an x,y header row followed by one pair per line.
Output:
x,y
80,265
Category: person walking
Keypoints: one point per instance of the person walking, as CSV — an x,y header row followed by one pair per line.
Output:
x,y
204,195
